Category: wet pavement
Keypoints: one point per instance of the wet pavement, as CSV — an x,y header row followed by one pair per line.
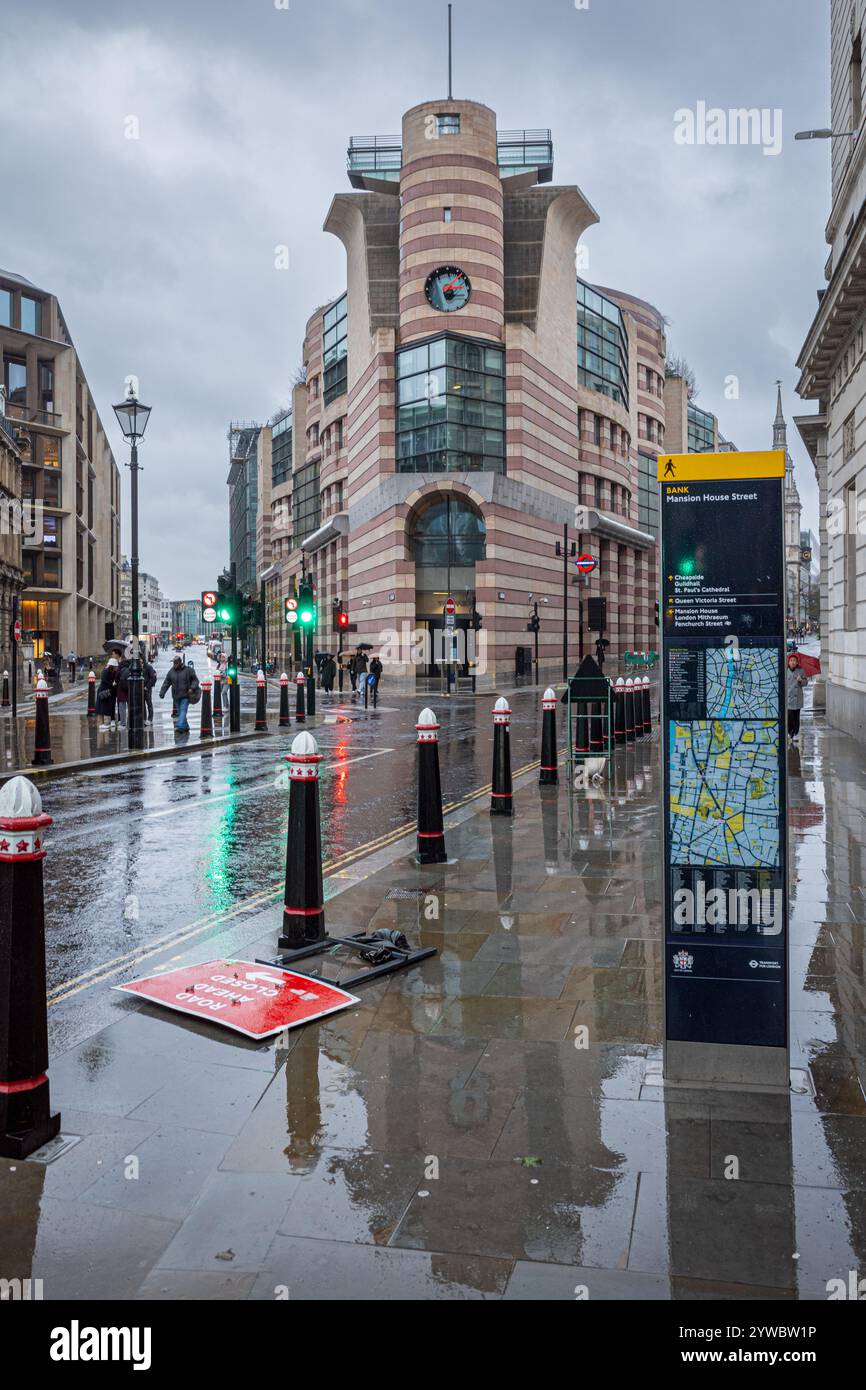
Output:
x,y
488,1125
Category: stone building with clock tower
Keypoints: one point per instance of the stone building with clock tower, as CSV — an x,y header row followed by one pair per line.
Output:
x,y
467,398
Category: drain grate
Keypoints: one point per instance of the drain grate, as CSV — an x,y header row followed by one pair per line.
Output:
x,y
404,895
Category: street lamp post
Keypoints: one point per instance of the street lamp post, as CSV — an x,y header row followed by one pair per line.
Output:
x,y
132,417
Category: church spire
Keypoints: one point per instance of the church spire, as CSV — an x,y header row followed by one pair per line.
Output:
x,y
780,429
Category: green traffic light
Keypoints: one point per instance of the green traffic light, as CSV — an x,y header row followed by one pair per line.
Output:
x,y
307,615
224,614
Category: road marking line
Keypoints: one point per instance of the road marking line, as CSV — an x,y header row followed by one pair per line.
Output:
x,y
329,870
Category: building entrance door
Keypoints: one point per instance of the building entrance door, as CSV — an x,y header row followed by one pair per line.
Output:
x,y
437,645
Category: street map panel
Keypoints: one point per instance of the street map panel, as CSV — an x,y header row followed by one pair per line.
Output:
x,y
724,792
742,683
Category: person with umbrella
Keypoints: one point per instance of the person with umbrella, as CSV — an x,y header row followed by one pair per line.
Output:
x,y
796,680
106,695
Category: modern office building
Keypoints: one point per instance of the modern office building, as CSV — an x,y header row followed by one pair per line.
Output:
x,y
186,617
150,604
464,401
832,366
243,502
72,568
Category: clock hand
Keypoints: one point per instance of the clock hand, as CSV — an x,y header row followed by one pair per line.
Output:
x,y
451,286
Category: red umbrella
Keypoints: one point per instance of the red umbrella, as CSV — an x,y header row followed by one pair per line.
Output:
x,y
809,665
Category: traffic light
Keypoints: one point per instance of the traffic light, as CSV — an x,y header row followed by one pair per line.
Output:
x,y
307,614
228,608
341,617
232,671
534,624
208,606
657,612
476,620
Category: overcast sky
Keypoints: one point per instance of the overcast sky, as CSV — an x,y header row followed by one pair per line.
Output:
x,y
161,249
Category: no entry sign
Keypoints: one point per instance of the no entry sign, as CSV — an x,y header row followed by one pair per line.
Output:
x,y
249,998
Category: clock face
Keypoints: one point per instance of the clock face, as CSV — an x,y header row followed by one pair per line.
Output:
x,y
447,288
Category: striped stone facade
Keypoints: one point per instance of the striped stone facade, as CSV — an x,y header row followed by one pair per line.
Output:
x,y
570,451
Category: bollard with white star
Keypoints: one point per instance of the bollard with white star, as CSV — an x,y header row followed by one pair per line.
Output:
x,y
431,833
285,721
91,694
42,742
303,903
548,774
501,797
300,714
261,702
26,1122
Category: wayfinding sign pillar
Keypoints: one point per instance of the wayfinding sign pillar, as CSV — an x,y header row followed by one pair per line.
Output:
x,y
725,890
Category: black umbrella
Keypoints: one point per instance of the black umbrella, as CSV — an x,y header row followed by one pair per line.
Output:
x,y
113,645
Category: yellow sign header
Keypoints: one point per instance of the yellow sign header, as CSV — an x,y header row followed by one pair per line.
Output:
x,y
676,468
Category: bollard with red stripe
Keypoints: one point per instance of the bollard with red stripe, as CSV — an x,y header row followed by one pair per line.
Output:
x,y
217,695
285,721
5,700
548,773
300,682
206,712
26,1121
647,706
431,832
303,905
630,725
42,745
501,797
261,702
91,694
619,711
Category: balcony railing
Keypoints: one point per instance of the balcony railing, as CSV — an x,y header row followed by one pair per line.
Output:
x,y
517,151
16,411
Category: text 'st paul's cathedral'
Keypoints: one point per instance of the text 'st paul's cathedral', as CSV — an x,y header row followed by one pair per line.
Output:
x,y
468,397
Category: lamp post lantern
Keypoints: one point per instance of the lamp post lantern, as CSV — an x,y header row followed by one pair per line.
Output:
x,y
132,417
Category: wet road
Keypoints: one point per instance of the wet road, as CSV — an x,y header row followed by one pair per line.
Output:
x,y
138,852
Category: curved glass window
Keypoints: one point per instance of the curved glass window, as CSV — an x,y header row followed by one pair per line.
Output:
x,y
451,407
602,344
448,533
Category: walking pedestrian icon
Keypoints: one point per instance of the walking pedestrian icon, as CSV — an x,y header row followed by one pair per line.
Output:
x,y
670,471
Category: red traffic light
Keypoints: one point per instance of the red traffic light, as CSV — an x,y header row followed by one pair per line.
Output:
x,y
343,619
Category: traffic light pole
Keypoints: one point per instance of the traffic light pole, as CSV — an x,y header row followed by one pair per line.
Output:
x,y
235,687
311,680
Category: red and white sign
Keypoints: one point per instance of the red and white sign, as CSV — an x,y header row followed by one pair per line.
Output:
x,y
450,607
585,563
209,600
16,630
256,1000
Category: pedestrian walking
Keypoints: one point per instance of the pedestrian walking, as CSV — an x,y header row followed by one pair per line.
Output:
x,y
123,692
796,681
358,670
183,683
106,695
376,669
148,683
328,674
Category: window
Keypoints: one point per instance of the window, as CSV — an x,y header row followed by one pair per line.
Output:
x,y
602,345
281,451
701,431
306,502
338,433
448,533
451,407
596,429
31,315
51,571
856,84
446,214
5,309
46,386
850,556
598,494
448,124
51,531
336,346
15,373
848,438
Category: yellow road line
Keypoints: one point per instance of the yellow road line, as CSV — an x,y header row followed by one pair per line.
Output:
x,y
172,939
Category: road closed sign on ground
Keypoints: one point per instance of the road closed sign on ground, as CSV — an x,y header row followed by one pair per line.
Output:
x,y
249,998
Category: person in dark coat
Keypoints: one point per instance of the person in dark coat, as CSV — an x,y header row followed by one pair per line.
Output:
x,y
328,673
376,669
181,680
106,695
149,674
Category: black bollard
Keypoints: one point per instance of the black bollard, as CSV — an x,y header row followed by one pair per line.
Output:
x,y
501,798
303,907
547,773
261,702
217,696
206,730
630,727
299,702
6,699
431,833
285,721
647,706
619,711
42,745
91,694
26,1122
